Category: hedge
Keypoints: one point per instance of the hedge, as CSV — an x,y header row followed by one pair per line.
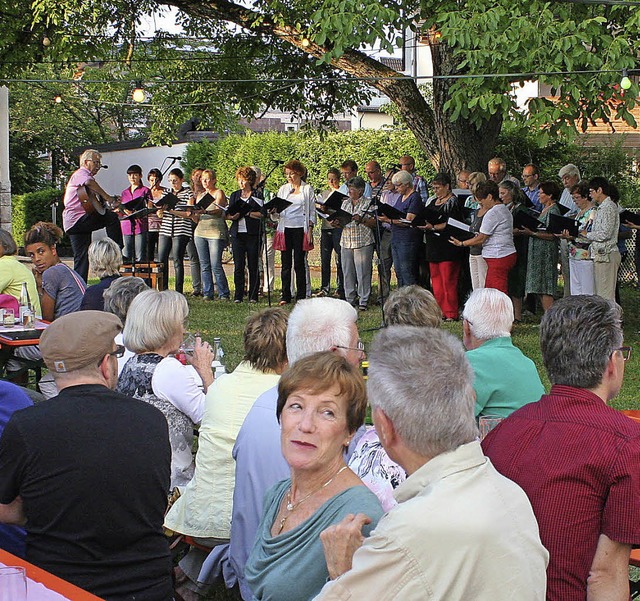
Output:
x,y
29,208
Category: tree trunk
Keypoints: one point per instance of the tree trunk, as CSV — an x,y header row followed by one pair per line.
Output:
x,y
462,144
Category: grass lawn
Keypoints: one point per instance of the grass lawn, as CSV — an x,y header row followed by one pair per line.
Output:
x,y
226,319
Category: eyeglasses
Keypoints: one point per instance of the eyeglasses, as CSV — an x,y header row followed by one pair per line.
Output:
x,y
359,347
118,353
524,175
625,351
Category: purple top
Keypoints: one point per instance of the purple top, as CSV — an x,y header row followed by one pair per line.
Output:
x,y
73,209
131,200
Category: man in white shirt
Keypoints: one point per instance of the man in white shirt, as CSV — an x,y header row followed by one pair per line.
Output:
x,y
461,530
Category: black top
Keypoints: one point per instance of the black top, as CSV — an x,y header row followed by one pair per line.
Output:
x,y
92,467
238,205
92,299
438,246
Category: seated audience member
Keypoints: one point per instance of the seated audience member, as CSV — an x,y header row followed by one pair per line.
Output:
x,y
89,470
204,509
316,324
410,305
460,530
576,458
322,401
13,273
117,299
505,379
105,260
60,290
154,332
12,398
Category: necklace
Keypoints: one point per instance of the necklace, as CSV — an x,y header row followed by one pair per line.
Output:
x,y
291,506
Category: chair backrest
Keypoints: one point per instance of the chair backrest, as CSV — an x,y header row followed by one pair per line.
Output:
x,y
634,414
9,302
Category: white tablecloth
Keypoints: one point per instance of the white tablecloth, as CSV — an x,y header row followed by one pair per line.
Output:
x,y
39,592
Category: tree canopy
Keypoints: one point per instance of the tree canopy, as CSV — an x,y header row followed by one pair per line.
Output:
x,y
311,56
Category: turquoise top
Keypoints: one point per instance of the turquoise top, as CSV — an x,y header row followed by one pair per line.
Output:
x,y
505,379
291,566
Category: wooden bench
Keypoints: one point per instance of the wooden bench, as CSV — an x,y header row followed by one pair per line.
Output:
x,y
151,273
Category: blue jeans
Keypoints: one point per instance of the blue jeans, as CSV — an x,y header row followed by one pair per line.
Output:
x,y
177,247
405,261
139,241
210,253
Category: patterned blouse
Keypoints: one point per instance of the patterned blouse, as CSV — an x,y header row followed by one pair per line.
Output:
x,y
172,225
135,381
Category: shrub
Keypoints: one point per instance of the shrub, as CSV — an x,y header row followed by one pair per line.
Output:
x,y
32,207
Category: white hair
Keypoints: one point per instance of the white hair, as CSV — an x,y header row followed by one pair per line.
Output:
x,y
153,318
317,324
422,380
569,169
489,313
402,177
105,257
89,155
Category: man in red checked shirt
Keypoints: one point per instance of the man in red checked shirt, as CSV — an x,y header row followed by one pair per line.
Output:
x,y
576,458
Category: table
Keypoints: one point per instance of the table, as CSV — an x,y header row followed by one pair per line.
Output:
x,y
55,589
8,342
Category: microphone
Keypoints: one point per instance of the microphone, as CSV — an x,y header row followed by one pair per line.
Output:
x,y
395,166
175,158
104,166
279,162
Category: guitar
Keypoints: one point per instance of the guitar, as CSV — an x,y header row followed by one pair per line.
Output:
x,y
92,202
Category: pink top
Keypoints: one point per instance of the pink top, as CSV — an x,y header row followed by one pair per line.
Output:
x,y
131,200
72,207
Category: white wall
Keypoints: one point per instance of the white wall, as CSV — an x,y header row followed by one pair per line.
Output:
x,y
114,180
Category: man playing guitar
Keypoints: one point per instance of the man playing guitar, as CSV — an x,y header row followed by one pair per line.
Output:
x,y
83,213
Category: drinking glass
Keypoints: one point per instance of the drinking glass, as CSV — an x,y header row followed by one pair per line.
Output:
x,y
13,584
188,343
9,318
486,423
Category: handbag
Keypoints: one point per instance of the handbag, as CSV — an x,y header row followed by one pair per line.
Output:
x,y
307,241
279,241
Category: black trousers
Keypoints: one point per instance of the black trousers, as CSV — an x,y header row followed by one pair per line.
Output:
x,y
293,256
80,237
246,250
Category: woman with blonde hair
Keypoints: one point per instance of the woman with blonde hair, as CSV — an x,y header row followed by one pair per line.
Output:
x,y
105,260
154,331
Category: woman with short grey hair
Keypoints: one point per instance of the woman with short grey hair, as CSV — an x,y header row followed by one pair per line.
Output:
x,y
357,243
154,330
117,299
105,260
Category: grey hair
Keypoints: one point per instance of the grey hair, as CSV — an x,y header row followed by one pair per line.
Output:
x,y
498,161
105,258
8,243
578,334
402,177
317,324
489,313
89,155
413,306
569,169
356,182
118,296
153,318
421,379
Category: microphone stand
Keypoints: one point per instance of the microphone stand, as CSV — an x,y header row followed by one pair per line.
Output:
x,y
171,164
263,231
372,209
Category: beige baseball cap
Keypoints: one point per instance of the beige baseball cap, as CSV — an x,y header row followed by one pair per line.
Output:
x,y
78,339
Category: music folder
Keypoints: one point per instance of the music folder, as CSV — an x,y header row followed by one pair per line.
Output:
x,y
630,216
563,209
559,223
204,203
390,212
459,230
334,200
169,201
526,219
277,203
